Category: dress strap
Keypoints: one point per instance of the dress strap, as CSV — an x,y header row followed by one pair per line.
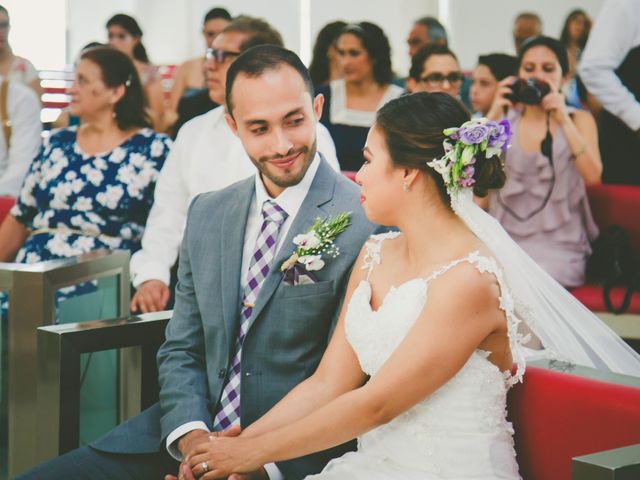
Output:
x,y
372,252
517,340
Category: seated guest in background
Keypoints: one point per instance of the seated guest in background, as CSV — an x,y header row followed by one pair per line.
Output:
x,y
426,31
206,156
352,101
65,119
490,70
126,35
19,140
325,64
429,31
90,187
435,68
235,241
575,33
14,67
574,36
610,69
554,153
189,77
525,25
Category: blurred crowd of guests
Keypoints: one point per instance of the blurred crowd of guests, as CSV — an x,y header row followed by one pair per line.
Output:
x,y
112,177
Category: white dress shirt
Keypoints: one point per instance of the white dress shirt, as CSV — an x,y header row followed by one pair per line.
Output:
x,y
290,200
206,156
23,108
615,32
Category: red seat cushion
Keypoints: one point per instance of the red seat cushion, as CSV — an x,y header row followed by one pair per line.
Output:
x,y
617,205
349,175
557,416
591,297
5,205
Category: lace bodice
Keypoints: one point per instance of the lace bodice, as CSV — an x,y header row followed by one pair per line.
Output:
x,y
461,430
366,326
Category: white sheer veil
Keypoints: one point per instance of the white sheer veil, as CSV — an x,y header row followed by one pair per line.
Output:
x,y
566,328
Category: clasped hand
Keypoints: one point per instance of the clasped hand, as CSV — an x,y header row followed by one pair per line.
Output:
x,y
220,455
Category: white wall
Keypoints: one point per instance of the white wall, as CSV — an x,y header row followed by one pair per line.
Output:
x,y
172,27
38,31
479,27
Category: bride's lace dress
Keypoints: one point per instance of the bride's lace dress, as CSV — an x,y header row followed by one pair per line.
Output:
x,y
460,431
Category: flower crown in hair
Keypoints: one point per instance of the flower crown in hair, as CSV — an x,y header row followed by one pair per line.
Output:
x,y
462,146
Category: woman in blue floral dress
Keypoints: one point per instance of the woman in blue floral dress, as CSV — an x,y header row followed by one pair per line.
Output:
x,y
90,187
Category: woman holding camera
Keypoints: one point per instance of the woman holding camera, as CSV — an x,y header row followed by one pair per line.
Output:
x,y
554,154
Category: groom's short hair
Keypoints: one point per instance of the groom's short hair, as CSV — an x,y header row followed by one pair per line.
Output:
x,y
257,60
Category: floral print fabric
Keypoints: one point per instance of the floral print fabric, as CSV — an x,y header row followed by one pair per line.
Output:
x,y
91,201
73,202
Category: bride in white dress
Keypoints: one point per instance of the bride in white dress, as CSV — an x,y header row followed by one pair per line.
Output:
x,y
428,342
420,360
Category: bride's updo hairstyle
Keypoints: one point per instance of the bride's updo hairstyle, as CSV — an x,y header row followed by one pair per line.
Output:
x,y
413,129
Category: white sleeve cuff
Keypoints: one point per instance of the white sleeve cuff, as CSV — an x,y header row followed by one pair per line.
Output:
x,y
172,439
273,472
143,269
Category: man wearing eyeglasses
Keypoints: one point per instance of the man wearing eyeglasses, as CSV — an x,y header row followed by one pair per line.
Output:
x,y
435,68
206,156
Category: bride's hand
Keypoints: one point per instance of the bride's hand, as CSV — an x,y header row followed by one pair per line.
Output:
x,y
223,456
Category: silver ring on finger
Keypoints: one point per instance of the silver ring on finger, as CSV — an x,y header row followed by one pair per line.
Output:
x,y
205,467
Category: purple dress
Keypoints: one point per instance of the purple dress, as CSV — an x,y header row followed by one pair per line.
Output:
x,y
558,236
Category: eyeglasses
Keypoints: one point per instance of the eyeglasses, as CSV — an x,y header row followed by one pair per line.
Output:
x,y
219,55
437,79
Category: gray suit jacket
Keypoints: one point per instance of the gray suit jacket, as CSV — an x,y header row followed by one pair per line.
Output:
x,y
291,324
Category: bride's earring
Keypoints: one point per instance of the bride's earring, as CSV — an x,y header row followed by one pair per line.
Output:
x,y
405,186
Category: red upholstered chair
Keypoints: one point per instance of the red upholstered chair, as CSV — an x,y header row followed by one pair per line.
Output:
x,y
349,175
5,205
613,205
558,416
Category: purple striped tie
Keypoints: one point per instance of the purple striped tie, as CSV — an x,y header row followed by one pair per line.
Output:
x,y
259,266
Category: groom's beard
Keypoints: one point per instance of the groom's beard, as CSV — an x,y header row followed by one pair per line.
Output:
x,y
293,175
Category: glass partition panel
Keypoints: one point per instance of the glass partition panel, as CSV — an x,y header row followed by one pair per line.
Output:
x,y
97,300
78,289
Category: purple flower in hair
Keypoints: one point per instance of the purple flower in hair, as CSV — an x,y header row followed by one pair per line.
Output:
x,y
473,134
499,134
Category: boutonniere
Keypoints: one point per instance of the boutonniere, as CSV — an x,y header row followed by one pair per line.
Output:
x,y
311,247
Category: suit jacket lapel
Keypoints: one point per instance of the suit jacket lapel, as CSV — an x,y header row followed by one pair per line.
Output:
x,y
320,192
233,229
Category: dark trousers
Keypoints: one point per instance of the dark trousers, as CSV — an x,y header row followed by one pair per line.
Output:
x,y
90,464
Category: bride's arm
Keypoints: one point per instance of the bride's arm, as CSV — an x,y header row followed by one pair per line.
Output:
x,y
337,373
461,312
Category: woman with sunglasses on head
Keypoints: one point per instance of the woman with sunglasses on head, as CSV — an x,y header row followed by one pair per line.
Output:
x,y
351,102
554,154
14,67
126,35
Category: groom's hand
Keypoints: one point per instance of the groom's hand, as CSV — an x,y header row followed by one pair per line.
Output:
x,y
186,443
189,441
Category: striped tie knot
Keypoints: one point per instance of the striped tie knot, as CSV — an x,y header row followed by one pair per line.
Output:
x,y
272,212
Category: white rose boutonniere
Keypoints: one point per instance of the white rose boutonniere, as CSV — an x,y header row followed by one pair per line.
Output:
x,y
311,247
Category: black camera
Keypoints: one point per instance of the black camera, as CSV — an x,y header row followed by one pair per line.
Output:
x,y
529,91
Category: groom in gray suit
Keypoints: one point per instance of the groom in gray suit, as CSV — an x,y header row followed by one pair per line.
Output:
x,y
241,337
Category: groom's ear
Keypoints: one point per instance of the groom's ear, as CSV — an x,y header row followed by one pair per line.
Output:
x,y
231,122
318,104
